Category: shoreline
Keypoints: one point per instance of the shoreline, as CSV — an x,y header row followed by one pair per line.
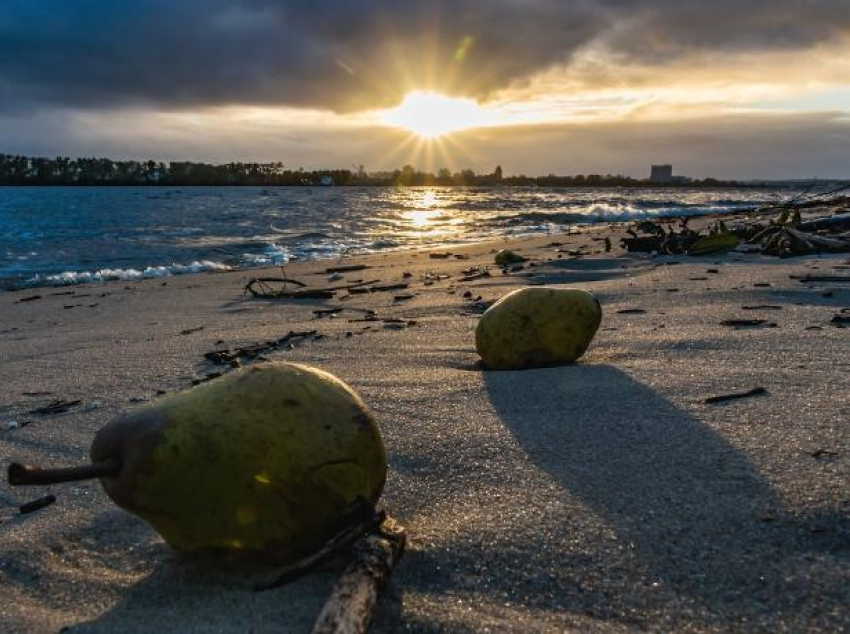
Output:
x,y
211,266
606,496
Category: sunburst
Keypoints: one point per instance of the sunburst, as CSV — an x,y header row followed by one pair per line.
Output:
x,y
429,115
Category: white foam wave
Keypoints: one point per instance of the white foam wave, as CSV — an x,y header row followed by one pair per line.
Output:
x,y
603,212
106,275
272,255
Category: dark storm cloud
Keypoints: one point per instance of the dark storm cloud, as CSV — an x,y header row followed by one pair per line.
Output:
x,y
351,54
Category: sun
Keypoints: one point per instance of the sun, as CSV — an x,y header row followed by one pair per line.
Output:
x,y
430,115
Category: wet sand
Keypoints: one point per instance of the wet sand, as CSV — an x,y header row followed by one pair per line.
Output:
x,y
605,496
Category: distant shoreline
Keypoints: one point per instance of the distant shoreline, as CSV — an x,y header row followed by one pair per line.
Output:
x,y
18,170
641,185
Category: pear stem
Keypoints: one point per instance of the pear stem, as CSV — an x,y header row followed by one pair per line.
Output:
x,y
25,475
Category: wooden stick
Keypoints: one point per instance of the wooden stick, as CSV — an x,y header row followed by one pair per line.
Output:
x,y
35,505
364,520
349,608
347,268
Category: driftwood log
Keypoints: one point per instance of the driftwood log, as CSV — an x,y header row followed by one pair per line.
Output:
x,y
349,608
259,287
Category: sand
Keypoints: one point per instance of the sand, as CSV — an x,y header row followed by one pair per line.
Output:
x,y
603,497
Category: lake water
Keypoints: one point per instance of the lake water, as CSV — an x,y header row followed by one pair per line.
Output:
x,y
56,235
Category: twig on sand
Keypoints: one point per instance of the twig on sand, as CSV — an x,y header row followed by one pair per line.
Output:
x,y
249,353
56,407
347,268
824,278
375,542
360,520
349,608
259,287
758,391
373,287
37,504
747,323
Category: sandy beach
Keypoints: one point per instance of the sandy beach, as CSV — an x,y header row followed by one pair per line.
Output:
x,y
605,496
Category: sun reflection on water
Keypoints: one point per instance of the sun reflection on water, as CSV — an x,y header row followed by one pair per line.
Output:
x,y
423,216
426,213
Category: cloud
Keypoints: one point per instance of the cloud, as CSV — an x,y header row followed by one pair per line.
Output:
x,y
347,55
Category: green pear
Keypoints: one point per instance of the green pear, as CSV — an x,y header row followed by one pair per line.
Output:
x,y
263,460
537,326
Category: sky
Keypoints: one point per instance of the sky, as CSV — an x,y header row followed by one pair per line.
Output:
x,y
722,88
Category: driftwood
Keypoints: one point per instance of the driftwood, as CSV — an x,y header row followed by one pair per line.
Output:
x,y
364,288
248,353
785,235
349,608
347,268
375,542
840,320
670,243
825,278
360,520
823,242
747,323
36,505
324,312
474,274
830,222
56,407
259,287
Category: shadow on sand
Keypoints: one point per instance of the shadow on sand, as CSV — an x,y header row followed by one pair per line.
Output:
x,y
698,515
196,593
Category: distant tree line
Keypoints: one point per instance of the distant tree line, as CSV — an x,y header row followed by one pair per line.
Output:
x,y
24,170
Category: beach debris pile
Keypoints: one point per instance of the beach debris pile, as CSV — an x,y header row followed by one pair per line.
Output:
x,y
278,288
794,228
236,356
537,327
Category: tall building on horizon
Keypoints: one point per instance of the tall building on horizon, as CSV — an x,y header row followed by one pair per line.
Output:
x,y
661,174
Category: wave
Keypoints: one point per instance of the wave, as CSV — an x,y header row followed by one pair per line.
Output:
x,y
311,235
602,212
384,243
106,275
273,254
